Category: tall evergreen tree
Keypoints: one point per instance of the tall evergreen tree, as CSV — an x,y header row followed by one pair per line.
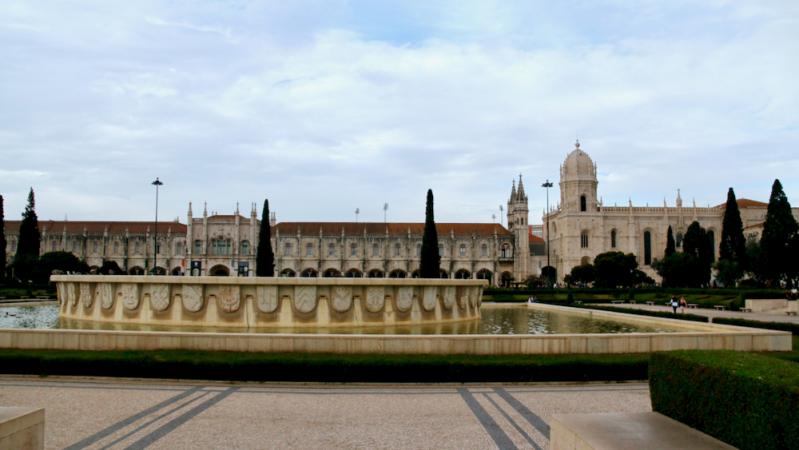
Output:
x,y
2,242
697,245
778,233
29,239
265,258
733,244
430,262
670,247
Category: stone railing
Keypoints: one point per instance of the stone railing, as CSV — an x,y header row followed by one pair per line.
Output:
x,y
266,302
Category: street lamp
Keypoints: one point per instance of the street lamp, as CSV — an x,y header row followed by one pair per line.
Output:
x,y
547,184
157,183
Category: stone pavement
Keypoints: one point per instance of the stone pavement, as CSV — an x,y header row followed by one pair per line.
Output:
x,y
134,414
762,317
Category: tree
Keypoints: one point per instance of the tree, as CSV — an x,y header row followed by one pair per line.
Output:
x,y
614,269
697,244
670,247
676,270
2,242
29,239
732,246
265,258
111,268
58,261
430,262
778,233
549,274
582,274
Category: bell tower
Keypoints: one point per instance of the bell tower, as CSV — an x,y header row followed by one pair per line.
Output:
x,y
518,224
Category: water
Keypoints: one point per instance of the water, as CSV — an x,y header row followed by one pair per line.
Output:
x,y
496,319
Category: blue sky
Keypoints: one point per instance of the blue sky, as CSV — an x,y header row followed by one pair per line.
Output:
x,y
328,106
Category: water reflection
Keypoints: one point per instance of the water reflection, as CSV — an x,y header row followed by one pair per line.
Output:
x,y
496,319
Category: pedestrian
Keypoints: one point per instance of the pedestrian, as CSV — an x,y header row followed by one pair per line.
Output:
x,y
683,304
674,304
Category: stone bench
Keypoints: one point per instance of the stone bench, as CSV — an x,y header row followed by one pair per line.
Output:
x,y
21,428
650,303
719,307
622,431
617,302
746,309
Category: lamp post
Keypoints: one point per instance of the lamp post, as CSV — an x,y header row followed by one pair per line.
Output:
x,y
547,184
157,183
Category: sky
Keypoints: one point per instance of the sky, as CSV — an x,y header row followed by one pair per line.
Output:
x,y
325,106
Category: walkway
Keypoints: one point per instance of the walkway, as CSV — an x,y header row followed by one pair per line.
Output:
x,y
135,414
762,317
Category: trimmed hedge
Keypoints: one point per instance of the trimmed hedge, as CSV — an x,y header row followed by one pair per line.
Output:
x,y
781,326
241,366
624,293
747,400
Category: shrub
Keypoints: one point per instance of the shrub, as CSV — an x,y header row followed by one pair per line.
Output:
x,y
747,400
781,326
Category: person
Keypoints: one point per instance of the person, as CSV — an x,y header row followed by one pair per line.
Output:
x,y
674,304
683,304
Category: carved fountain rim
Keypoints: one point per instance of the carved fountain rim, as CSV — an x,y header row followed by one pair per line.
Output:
x,y
269,281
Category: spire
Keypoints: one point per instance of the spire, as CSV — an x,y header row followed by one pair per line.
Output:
x,y
520,196
237,208
205,209
190,209
513,191
679,199
577,144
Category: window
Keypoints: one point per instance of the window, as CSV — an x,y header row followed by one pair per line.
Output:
x,y
309,249
244,250
398,250
198,247
584,239
647,248
440,249
484,250
582,203
136,246
331,249
613,238
504,251
375,250
353,249
178,248
462,250
287,250
678,241
116,247
418,250
220,247
96,246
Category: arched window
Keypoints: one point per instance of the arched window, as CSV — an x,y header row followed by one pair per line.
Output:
x,y
116,247
198,247
136,246
647,248
287,249
613,238
584,239
418,250
331,249
245,248
96,246
504,251
462,250
309,250
398,251
484,250
440,249
582,203
220,247
678,240
178,248
375,250
353,249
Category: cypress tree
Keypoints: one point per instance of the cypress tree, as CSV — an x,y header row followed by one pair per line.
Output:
x,y
670,247
265,258
2,242
778,232
696,244
29,239
430,262
732,245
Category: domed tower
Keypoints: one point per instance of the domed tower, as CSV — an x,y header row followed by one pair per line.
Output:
x,y
578,182
518,215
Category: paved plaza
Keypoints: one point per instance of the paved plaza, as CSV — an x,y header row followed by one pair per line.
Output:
x,y
777,316
133,414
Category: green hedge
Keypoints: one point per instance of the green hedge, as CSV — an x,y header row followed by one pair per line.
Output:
x,y
747,400
325,367
624,293
781,326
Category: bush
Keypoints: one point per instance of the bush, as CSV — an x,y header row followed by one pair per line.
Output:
x,y
747,400
780,326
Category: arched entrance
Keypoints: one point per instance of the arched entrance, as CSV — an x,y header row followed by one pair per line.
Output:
x,y
463,274
443,274
158,270
288,273
177,271
484,274
415,274
505,279
376,273
397,273
136,270
354,273
331,273
219,271
309,273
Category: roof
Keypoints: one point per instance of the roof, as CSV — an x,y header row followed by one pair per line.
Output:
x,y
98,227
746,203
393,229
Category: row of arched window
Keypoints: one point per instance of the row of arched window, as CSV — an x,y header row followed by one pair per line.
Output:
x,y
483,274
95,246
396,250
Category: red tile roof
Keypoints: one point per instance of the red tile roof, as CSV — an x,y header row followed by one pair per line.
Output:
x,y
98,227
394,229
746,203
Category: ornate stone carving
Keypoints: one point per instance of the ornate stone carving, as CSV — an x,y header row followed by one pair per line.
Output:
x,y
430,298
305,298
462,295
342,298
375,298
128,294
229,298
404,298
267,298
159,297
192,297
72,297
102,293
449,297
86,295
62,293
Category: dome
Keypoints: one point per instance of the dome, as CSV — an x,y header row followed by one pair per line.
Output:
x,y
578,165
